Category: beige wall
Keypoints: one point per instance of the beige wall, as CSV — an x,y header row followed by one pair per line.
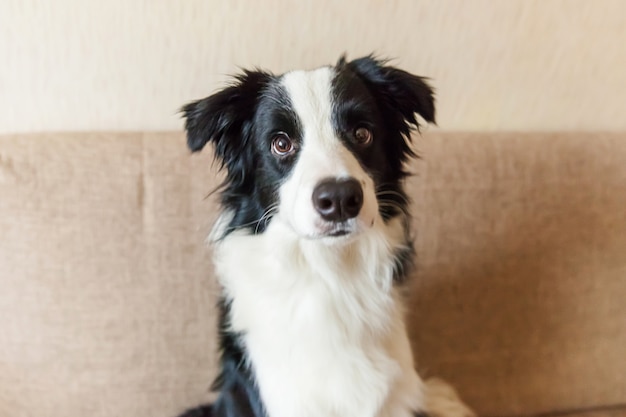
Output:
x,y
129,64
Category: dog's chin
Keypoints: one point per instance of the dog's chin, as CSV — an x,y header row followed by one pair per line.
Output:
x,y
335,237
330,233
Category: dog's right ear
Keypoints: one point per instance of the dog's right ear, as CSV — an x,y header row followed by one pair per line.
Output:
x,y
224,118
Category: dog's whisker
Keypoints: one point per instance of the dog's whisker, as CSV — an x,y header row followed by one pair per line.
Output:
x,y
392,193
265,217
393,205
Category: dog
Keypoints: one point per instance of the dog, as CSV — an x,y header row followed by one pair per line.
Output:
x,y
313,246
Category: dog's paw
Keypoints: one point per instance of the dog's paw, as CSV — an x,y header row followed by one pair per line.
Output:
x,y
443,401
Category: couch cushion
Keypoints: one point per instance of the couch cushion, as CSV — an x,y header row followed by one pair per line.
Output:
x,y
107,292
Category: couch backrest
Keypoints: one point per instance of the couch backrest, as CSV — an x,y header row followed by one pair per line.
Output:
x,y
107,295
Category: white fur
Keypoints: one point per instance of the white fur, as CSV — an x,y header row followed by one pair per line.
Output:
x,y
320,317
323,324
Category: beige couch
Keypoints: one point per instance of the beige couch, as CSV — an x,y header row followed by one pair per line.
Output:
x,y
106,289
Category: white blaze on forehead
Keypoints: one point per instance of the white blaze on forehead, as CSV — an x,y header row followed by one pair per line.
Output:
x,y
322,153
310,93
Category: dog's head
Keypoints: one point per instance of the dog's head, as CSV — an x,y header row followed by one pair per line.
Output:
x,y
322,151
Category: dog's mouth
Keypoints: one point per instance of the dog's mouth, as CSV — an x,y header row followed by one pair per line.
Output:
x,y
336,230
338,233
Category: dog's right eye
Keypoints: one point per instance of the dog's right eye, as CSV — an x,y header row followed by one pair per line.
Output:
x,y
282,145
363,136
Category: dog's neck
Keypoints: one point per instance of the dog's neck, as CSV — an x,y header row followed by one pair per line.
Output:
x,y
308,311
284,269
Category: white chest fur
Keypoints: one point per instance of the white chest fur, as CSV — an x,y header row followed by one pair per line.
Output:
x,y
323,325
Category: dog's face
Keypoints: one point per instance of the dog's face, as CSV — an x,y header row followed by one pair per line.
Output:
x,y
321,151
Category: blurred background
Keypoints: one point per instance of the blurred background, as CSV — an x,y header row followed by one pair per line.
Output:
x,y
106,291
129,64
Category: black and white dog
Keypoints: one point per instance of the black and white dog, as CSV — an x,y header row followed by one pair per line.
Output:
x,y
314,245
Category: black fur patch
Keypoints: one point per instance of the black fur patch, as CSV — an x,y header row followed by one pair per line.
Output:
x,y
202,411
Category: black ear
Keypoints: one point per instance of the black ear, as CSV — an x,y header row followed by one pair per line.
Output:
x,y
402,93
225,117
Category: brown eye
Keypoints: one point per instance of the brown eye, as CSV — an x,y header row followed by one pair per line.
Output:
x,y
363,136
282,145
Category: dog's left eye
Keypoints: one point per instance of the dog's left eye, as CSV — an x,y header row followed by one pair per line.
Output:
x,y
363,136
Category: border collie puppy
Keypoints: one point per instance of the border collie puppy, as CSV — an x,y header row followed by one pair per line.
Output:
x,y
313,245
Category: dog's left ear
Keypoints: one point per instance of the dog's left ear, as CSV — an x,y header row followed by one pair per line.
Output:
x,y
403,94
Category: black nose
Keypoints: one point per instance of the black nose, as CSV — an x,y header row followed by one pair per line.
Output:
x,y
338,200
